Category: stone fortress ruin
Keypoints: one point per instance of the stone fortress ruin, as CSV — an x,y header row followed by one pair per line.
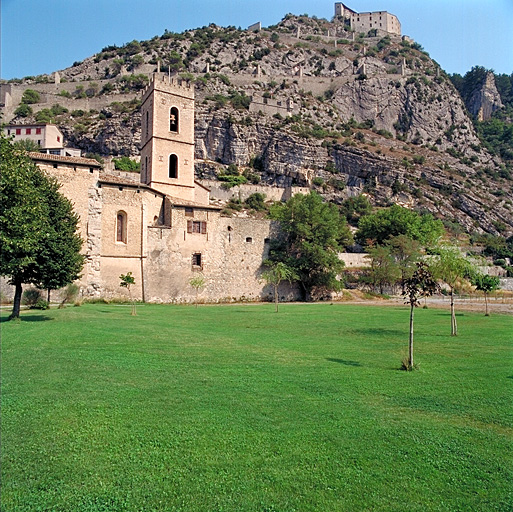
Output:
x,y
365,21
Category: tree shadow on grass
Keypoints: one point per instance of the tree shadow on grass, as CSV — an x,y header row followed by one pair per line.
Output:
x,y
343,361
27,318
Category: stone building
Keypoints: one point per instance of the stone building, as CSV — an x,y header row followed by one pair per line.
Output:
x,y
365,21
161,228
47,136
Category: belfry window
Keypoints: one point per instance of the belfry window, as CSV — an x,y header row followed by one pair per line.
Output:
x,y
173,120
121,227
173,166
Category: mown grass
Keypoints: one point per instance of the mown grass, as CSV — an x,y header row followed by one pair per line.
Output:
x,y
236,408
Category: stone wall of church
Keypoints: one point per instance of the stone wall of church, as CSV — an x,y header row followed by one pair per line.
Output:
x,y
78,184
140,208
230,252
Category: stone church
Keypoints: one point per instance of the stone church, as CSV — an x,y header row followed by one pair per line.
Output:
x,y
163,228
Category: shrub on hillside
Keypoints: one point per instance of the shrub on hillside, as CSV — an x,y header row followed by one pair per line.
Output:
x,y
30,96
126,164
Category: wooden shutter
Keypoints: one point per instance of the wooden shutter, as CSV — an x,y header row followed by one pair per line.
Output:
x,y
203,228
189,226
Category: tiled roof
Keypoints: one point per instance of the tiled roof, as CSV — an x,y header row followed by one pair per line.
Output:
x,y
175,201
118,180
90,162
183,202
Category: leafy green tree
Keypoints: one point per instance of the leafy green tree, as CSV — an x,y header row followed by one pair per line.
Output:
x,y
127,280
59,260
451,267
314,234
421,283
394,221
27,145
486,284
383,271
276,273
353,208
405,252
27,222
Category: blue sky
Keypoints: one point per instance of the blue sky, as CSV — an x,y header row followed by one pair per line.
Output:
x,y
45,36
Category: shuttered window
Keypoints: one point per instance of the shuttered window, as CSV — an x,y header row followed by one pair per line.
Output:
x,y
196,226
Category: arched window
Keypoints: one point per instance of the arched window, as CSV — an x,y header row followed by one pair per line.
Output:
x,y
173,120
173,166
121,227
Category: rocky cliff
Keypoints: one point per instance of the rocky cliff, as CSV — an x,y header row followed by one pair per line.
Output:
x,y
305,102
485,99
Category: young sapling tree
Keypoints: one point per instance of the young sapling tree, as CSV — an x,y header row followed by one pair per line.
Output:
x,y
420,284
127,280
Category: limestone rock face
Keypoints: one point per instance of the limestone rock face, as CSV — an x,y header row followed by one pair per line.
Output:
x,y
485,100
314,104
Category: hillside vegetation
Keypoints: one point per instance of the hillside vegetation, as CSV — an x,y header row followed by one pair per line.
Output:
x,y
344,113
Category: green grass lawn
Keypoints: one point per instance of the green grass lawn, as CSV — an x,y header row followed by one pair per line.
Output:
x,y
236,408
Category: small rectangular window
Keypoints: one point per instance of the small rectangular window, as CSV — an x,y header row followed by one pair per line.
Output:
x,y
18,131
189,212
38,131
196,260
28,131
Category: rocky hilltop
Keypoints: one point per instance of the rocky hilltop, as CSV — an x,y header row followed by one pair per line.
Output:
x,y
306,102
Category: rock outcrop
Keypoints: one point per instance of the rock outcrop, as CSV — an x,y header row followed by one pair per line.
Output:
x,y
485,99
342,113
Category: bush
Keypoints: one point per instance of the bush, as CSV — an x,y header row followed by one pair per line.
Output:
x,y
70,294
256,201
44,116
41,304
31,296
126,164
23,110
30,96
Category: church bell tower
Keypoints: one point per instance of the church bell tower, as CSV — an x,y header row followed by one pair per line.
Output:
x,y
167,138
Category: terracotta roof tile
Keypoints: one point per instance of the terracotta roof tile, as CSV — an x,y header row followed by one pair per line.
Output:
x,y
90,162
183,202
118,180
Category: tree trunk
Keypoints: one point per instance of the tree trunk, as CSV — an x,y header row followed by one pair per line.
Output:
x,y
133,313
276,298
48,295
17,299
454,325
410,351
